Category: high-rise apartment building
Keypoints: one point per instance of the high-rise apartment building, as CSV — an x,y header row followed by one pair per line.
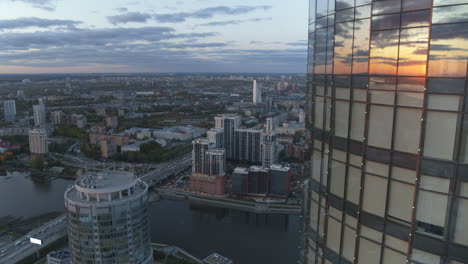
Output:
x,y
269,104
302,116
216,162
269,149
247,145
199,149
388,90
229,123
39,115
9,110
208,168
38,141
107,216
270,124
216,136
57,117
256,93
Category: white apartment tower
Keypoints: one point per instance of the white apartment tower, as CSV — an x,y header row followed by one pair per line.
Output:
x,y
257,93
38,142
216,136
107,214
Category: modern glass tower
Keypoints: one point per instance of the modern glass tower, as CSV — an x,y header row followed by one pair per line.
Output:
x,y
388,114
108,219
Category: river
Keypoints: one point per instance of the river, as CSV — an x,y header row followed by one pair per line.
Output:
x,y
245,237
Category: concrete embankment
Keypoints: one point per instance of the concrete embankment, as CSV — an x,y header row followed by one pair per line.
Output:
x,y
256,207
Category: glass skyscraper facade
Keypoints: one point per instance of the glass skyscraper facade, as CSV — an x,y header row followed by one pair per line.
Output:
x,y
388,115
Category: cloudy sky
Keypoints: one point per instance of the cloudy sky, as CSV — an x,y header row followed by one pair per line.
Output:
x,y
62,36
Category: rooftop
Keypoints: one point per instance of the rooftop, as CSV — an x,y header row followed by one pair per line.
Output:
x,y
279,167
62,254
106,180
216,258
240,170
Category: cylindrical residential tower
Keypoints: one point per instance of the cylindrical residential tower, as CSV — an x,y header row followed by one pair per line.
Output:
x,y
388,104
108,219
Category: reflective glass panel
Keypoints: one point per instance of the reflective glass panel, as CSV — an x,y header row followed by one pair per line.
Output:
x,y
385,7
343,4
386,22
361,46
449,52
413,51
345,15
343,48
411,84
363,2
450,14
320,50
416,4
382,83
363,12
331,7
312,11
322,7
384,52
449,2
416,19
330,37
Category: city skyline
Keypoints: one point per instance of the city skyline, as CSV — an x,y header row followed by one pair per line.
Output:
x,y
141,36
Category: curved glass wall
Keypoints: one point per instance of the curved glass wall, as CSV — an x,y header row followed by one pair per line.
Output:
x,y
387,103
114,230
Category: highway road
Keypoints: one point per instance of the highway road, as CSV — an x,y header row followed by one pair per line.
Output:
x,y
167,169
21,248
57,228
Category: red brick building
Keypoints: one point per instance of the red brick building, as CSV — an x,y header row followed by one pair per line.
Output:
x,y
296,151
208,184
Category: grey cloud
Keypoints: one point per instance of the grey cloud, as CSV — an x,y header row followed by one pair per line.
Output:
x,y
298,43
42,4
26,22
233,22
93,37
162,56
197,45
136,17
122,9
207,13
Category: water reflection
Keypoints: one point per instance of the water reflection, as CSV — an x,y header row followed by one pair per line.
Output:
x,y
245,237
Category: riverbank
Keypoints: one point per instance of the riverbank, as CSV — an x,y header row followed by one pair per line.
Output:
x,y
255,207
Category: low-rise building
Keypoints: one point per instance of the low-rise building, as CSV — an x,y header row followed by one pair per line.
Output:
x,y
181,133
112,121
290,128
59,257
208,184
216,258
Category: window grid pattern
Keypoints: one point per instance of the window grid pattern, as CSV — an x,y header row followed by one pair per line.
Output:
x,y
387,92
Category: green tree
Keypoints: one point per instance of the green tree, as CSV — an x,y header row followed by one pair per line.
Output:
x,y
36,162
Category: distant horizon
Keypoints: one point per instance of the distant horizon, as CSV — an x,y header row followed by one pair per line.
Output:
x,y
155,73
